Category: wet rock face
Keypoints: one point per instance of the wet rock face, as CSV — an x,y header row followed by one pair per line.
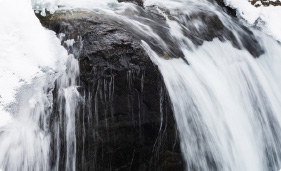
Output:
x,y
125,121
212,27
202,26
198,27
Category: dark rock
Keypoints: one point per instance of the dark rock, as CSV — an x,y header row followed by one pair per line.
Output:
x,y
172,161
125,121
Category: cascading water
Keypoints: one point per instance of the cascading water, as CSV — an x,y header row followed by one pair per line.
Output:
x,y
230,124
67,101
226,103
225,100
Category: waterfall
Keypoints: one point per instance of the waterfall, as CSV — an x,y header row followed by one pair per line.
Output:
x,y
222,75
225,100
67,101
226,103
226,107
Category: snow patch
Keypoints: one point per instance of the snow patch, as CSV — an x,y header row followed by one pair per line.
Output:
x,y
268,18
27,51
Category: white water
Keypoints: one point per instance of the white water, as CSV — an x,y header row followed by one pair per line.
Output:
x,y
227,106
226,103
68,98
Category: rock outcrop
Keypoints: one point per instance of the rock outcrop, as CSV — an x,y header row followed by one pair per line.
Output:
x,y
125,120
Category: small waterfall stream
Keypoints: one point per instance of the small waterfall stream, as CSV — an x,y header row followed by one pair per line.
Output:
x,y
68,97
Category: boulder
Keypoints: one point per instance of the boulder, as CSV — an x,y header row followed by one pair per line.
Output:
x,y
125,120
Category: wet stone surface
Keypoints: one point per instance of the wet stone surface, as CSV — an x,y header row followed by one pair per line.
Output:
x,y
125,120
211,27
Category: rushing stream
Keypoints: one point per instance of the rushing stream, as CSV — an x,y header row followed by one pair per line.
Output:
x,y
223,78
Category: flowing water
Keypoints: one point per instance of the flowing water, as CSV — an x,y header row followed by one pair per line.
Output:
x,y
67,102
226,106
226,101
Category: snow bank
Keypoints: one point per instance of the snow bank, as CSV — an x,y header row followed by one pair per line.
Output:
x,y
268,18
27,51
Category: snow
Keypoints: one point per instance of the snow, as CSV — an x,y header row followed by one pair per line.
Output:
x,y
53,5
258,3
27,51
268,18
